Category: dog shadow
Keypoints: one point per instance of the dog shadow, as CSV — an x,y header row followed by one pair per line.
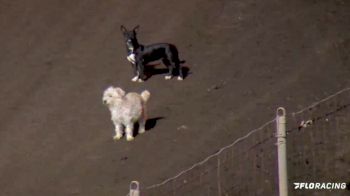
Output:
x,y
153,69
150,124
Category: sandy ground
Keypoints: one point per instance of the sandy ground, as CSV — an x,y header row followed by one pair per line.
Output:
x,y
245,59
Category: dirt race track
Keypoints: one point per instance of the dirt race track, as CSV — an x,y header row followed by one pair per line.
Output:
x,y
245,59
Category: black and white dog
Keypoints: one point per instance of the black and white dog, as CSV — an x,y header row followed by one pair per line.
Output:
x,y
139,55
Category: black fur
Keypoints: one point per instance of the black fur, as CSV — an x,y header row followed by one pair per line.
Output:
x,y
165,52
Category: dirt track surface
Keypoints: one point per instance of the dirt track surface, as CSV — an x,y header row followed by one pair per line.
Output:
x,y
246,58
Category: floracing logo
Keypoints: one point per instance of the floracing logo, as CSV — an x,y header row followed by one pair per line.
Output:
x,y
320,185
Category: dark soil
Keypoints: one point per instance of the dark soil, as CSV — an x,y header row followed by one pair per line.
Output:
x,y
244,59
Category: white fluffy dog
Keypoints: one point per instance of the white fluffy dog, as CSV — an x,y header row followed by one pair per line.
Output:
x,y
126,110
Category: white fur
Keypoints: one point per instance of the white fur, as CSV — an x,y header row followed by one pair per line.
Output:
x,y
126,110
131,58
134,79
168,77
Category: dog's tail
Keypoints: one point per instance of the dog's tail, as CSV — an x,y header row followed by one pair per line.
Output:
x,y
145,95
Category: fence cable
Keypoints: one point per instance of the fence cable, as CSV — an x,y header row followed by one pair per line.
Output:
x,y
320,101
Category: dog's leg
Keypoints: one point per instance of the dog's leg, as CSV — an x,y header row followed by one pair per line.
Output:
x,y
140,68
136,73
118,131
129,132
167,63
181,75
142,124
177,64
170,73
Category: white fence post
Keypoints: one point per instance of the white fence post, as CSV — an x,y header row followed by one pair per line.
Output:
x,y
134,188
281,150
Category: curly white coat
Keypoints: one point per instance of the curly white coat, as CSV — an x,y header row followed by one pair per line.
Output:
x,y
126,110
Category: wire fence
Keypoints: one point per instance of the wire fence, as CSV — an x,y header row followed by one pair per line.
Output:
x,y
318,150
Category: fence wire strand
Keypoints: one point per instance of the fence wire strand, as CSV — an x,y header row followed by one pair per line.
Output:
x,y
320,101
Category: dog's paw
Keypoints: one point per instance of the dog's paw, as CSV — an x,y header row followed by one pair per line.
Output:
x,y
117,137
129,138
134,79
142,131
140,80
179,78
168,77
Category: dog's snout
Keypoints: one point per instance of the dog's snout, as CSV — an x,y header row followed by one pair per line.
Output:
x,y
104,102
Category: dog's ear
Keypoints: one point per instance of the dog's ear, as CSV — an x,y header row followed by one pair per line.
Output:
x,y
123,29
135,29
120,91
